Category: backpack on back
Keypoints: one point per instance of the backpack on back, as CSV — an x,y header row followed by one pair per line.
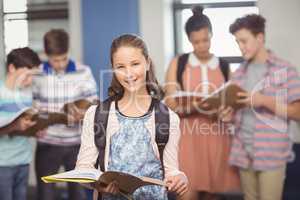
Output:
x,y
162,126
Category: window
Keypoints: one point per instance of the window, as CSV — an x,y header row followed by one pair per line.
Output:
x,y
26,21
15,24
221,13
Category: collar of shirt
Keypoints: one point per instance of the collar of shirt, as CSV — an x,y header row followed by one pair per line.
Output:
x,y
213,63
47,68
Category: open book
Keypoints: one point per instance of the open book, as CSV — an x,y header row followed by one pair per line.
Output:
x,y
187,97
22,113
45,119
127,183
226,95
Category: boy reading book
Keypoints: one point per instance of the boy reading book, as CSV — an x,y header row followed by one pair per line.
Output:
x,y
262,144
61,82
16,151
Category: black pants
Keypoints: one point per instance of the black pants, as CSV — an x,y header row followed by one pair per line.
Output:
x,y
48,160
292,181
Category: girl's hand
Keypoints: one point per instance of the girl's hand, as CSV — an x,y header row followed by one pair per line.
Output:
x,y
251,99
225,114
111,188
177,184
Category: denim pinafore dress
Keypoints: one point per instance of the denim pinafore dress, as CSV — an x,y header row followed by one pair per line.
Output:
x,y
131,152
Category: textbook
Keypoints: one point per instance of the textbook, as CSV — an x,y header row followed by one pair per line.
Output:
x,y
187,97
44,119
127,183
225,95
23,112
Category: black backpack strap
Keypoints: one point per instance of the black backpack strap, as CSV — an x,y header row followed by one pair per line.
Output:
x,y
224,66
182,60
100,124
162,128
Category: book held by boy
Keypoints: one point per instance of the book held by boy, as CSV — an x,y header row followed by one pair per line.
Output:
x,y
226,95
44,119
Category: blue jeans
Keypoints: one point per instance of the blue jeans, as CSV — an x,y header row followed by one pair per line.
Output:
x,y
14,182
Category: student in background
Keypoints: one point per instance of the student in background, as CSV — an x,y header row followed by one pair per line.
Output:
x,y
15,148
262,144
205,143
62,81
131,146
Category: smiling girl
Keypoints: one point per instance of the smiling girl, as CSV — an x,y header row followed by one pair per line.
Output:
x,y
130,134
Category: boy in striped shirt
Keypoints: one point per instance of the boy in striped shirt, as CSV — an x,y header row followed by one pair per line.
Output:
x,y
62,81
262,143
15,148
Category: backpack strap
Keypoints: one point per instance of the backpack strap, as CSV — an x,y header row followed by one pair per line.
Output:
x,y
182,60
224,66
100,125
162,128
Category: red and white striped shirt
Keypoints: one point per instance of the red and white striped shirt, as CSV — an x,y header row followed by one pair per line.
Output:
x,y
272,142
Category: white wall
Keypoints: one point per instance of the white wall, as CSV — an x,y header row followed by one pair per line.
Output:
x,y
283,27
75,29
156,28
283,34
2,53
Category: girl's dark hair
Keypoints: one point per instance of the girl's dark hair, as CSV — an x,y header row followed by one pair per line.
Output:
x,y
23,57
254,23
152,85
197,21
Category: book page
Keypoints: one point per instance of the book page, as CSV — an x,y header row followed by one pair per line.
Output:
x,y
6,121
76,175
218,90
225,95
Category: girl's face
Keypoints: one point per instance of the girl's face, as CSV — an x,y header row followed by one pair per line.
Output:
x,y
201,42
130,67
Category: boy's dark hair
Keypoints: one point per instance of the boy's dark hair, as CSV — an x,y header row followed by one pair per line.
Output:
x,y
56,42
254,23
23,57
197,21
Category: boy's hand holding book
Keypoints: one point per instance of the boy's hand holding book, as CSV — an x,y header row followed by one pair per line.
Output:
x,y
249,99
23,123
245,99
226,114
